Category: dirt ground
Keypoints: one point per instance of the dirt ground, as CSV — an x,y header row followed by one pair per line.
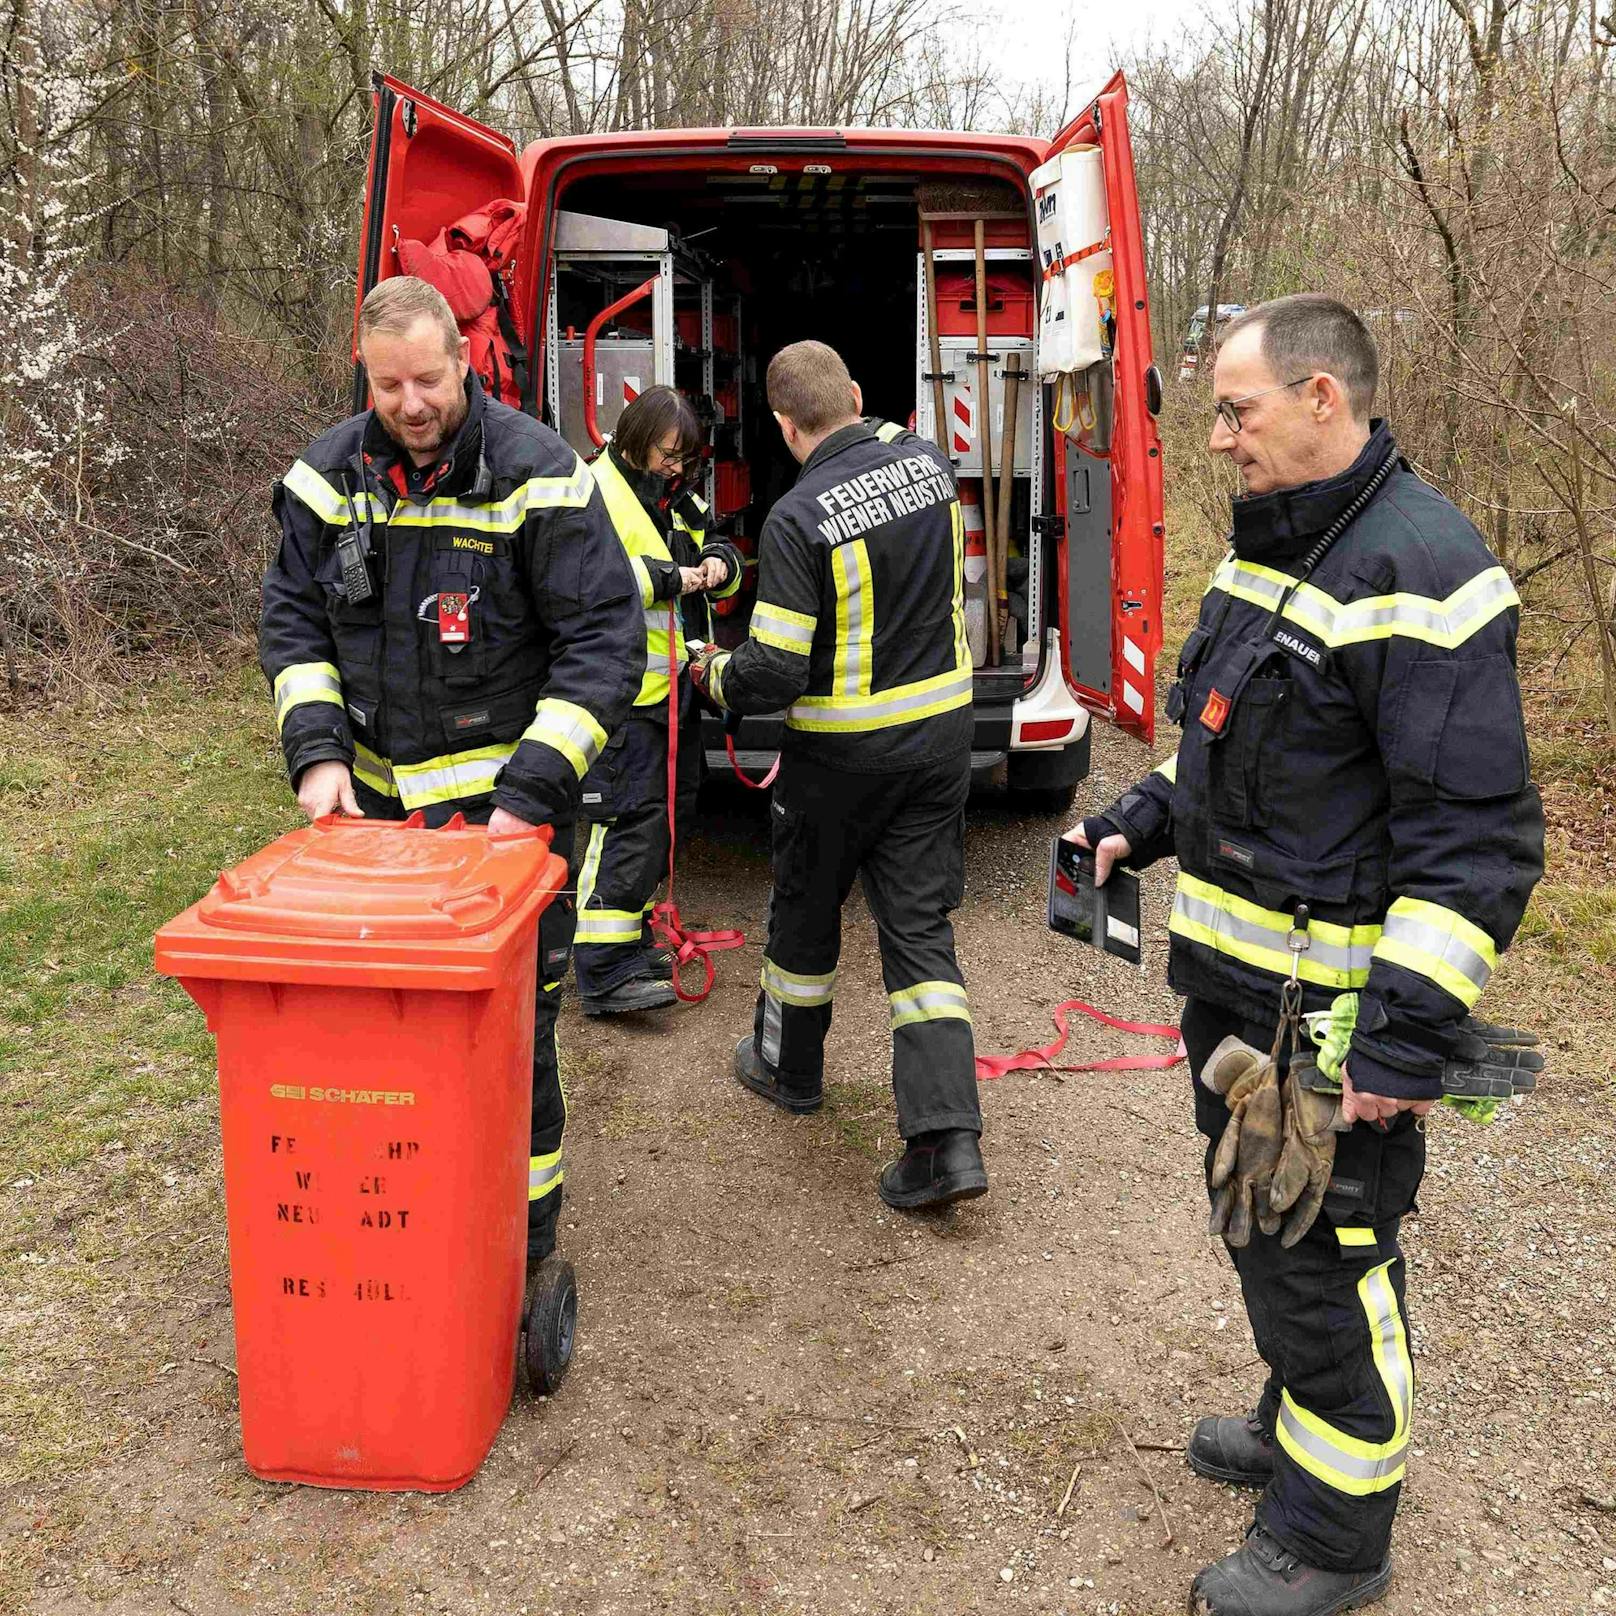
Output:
x,y
788,1399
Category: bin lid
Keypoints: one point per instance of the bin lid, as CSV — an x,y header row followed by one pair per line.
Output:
x,y
356,892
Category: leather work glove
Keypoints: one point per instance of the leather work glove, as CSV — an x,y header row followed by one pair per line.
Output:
x,y
1248,1152
1307,1155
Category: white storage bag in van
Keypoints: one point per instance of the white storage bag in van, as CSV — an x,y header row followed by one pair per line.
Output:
x,y
1076,309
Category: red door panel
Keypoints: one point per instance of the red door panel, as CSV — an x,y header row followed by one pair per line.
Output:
x,y
1127,571
429,165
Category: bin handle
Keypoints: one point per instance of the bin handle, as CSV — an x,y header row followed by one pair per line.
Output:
x,y
482,903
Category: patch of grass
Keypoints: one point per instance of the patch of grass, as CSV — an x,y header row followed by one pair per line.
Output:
x,y
1573,922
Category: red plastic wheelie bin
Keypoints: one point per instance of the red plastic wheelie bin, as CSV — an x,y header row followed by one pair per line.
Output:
x,y
370,987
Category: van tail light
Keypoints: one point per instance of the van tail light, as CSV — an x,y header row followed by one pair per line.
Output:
x,y
1046,729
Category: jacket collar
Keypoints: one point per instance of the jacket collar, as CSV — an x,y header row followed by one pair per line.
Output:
x,y
842,438
1285,522
462,468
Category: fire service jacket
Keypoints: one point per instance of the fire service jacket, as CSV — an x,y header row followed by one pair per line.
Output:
x,y
859,627
1362,752
508,705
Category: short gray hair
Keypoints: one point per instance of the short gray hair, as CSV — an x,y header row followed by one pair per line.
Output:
x,y
1310,332
394,305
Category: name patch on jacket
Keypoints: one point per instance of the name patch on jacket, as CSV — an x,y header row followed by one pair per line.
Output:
x,y
470,544
882,495
1297,646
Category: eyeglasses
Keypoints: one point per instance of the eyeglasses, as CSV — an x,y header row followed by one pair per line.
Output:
x,y
1229,408
673,459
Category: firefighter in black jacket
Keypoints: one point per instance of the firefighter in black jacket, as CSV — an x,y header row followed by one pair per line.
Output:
x,y
450,625
625,796
1352,741
859,634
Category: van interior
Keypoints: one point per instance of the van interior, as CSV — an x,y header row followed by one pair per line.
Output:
x,y
760,260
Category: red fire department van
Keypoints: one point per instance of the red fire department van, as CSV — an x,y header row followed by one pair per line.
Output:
x,y
689,256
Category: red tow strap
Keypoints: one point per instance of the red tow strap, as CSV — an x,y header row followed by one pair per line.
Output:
x,y
741,774
989,1067
666,925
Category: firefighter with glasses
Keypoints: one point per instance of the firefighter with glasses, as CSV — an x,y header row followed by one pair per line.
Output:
x,y
451,626
654,447
859,635
1357,835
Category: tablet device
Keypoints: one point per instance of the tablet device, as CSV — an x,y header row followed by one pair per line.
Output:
x,y
1106,917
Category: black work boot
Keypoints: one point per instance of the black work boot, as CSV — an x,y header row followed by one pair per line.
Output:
x,y
657,963
1227,1447
936,1168
638,993
1263,1578
751,1073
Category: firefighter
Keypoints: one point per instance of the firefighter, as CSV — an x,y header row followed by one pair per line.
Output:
x,y
859,634
663,528
1353,742
450,626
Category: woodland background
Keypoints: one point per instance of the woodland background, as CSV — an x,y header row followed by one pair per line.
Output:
x,y
180,186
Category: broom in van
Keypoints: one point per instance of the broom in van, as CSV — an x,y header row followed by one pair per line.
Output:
x,y
976,205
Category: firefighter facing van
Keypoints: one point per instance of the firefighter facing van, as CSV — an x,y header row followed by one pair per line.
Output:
x,y
450,625
859,634
1352,743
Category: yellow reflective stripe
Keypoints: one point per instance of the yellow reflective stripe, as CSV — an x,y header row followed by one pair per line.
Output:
x,y
888,430
305,682
327,502
373,770
1348,1463
602,926
786,630
715,677
1168,770
1440,945
1355,1237
544,1174
570,729
1337,956
902,704
1445,623
457,774
504,515
962,639
799,988
929,1001
642,577
853,665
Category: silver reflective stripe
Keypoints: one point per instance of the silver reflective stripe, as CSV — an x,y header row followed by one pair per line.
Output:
x,y
773,1013
783,627
471,774
537,493
1337,1459
853,651
1338,957
540,1179
305,681
1442,945
930,1001
877,707
793,988
1391,1356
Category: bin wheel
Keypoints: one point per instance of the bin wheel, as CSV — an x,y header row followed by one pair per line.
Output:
x,y
552,1320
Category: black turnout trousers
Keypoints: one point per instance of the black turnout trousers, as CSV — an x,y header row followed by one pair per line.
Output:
x,y
546,1167
903,835
1330,1322
625,858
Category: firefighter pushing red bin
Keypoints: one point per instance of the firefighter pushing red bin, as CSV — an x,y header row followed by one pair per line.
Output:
x,y
370,987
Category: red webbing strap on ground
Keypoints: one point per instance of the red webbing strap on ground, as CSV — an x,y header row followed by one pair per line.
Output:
x,y
666,925
992,1066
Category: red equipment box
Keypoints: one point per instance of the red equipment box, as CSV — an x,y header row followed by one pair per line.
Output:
x,y
1012,308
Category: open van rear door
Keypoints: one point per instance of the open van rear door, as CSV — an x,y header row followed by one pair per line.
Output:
x,y
1107,468
429,166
